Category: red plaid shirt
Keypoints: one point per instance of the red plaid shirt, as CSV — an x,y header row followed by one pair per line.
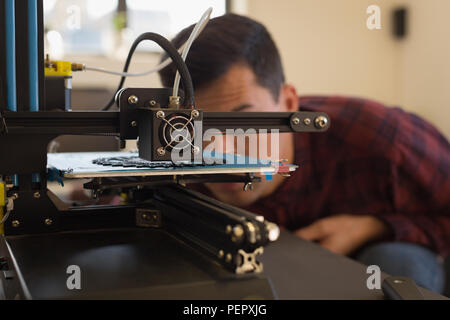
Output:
x,y
373,160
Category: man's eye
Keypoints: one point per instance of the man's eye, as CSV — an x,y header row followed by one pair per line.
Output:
x,y
244,107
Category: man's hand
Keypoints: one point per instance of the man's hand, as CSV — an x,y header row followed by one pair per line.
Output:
x,y
344,233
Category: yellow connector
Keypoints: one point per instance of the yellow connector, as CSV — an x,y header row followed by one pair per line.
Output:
x,y
58,68
2,194
123,198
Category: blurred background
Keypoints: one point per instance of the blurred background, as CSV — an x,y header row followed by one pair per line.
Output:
x,y
326,46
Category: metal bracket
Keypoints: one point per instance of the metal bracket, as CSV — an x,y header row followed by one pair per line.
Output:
x,y
130,100
148,218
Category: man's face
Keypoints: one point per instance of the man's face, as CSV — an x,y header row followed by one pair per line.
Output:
x,y
238,90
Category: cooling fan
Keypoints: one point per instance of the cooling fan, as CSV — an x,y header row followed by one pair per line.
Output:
x,y
174,135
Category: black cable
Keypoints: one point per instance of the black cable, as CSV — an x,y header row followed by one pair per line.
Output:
x,y
173,54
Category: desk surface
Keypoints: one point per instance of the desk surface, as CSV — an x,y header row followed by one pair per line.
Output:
x,y
297,269
303,270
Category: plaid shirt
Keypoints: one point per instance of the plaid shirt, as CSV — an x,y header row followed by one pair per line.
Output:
x,y
375,161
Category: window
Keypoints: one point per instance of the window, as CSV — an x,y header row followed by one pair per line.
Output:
x,y
103,27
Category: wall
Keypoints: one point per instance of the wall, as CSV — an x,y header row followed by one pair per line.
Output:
x,y
425,62
327,49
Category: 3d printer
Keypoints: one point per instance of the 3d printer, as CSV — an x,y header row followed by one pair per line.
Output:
x,y
167,241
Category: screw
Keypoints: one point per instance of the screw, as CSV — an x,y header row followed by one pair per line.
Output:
x,y
307,121
161,151
152,103
247,186
259,218
15,223
273,231
228,229
220,254
48,222
160,114
37,195
195,149
321,122
133,99
295,120
133,123
195,113
228,257
238,233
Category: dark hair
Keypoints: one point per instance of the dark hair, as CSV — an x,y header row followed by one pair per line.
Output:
x,y
228,40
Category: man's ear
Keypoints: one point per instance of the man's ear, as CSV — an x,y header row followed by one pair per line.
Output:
x,y
288,99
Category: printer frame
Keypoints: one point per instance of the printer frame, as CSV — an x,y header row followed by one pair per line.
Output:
x,y
216,242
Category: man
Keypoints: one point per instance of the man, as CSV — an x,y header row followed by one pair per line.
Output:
x,y
375,186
